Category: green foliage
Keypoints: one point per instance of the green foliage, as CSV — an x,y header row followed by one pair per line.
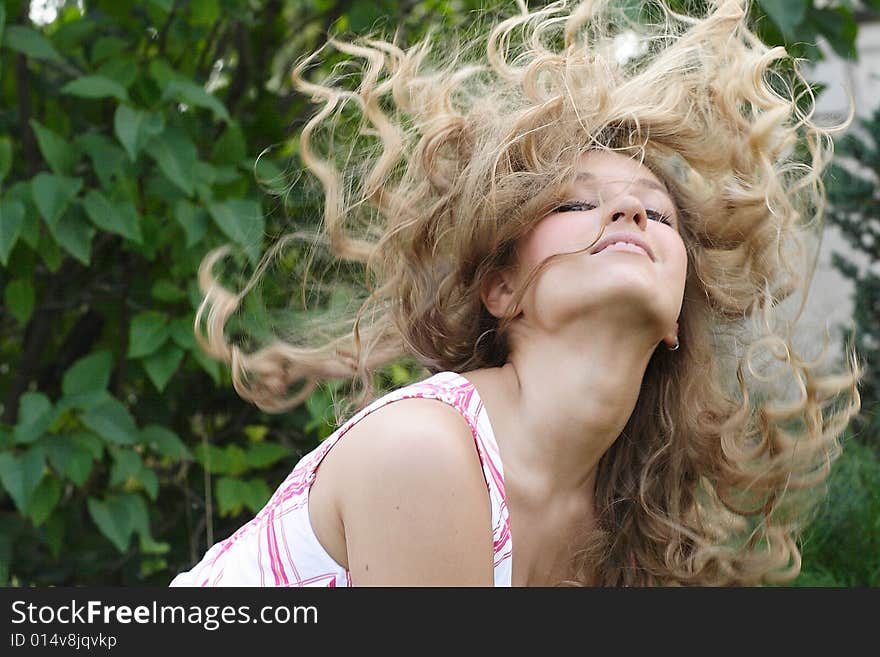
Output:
x,y
130,144
133,139
842,546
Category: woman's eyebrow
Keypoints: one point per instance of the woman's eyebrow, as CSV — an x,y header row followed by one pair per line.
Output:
x,y
645,182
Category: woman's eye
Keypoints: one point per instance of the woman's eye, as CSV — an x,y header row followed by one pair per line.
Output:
x,y
659,216
575,206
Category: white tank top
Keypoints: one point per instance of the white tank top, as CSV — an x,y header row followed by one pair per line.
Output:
x,y
278,547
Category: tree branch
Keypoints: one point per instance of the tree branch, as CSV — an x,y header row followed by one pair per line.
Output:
x,y
163,31
209,46
28,141
244,71
37,334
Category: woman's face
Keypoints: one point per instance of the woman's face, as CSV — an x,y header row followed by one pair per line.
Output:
x,y
616,283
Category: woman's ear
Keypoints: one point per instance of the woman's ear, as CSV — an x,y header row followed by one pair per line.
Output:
x,y
672,338
496,291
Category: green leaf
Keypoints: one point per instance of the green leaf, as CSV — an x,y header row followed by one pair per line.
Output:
x,y
70,458
5,157
151,546
182,332
89,373
21,474
89,442
21,192
241,221
211,366
120,217
399,375
231,147
74,233
122,70
108,160
165,442
204,12
106,47
44,500
162,365
163,74
139,514
204,176
195,95
320,408
257,493
212,458
113,519
236,459
193,220
231,494
269,176
113,422
60,154
71,34
165,290
126,463
95,86
11,222
256,432
49,252
150,482
35,414
176,155
30,42
149,331
787,14
224,174
838,25
159,187
52,194
134,128
261,455
19,299
82,400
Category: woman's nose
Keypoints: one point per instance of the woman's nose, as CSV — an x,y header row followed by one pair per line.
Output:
x,y
627,207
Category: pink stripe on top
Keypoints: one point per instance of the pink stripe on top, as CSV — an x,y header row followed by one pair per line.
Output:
x,y
278,547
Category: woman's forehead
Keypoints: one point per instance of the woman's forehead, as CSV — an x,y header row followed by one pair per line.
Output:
x,y
609,166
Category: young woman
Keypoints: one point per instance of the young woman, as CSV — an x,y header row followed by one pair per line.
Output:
x,y
564,237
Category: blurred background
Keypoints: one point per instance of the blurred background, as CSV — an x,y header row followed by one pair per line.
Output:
x,y
137,136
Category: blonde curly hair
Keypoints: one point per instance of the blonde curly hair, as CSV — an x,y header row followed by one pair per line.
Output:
x,y
459,150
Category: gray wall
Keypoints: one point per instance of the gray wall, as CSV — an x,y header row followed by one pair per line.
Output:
x,y
831,296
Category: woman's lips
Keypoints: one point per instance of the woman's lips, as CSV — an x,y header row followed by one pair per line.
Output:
x,y
625,247
625,236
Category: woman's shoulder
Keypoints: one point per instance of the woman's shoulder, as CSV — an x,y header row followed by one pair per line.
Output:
x,y
408,414
413,452
402,482
409,431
